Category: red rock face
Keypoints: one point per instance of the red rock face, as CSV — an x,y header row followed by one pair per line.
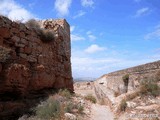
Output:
x,y
32,64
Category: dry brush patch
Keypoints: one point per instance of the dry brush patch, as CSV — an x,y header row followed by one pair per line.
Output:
x,y
56,106
45,35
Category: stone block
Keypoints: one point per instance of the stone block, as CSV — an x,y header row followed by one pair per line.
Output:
x,y
4,32
23,55
27,50
31,58
15,39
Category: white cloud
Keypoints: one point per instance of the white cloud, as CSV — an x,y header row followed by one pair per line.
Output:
x,y
75,37
14,11
72,28
62,7
153,35
91,67
94,48
91,36
142,11
87,3
79,14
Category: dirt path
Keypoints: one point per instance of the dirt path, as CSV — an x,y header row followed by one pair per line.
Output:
x,y
101,112
97,111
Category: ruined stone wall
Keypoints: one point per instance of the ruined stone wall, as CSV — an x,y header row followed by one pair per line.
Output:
x,y
30,66
32,63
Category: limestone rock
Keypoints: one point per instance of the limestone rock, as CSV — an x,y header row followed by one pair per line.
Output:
x,y
69,116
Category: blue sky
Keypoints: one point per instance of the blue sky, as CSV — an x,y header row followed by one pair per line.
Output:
x,y
106,35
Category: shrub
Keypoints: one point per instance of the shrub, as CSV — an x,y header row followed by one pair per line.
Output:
x,y
45,35
91,98
32,23
65,93
80,109
157,76
149,87
4,54
123,105
69,107
126,79
49,109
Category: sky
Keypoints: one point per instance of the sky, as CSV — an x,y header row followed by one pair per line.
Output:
x,y
106,35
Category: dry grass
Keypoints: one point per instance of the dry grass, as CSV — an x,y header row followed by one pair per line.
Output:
x,y
123,105
56,106
90,98
116,93
149,87
45,35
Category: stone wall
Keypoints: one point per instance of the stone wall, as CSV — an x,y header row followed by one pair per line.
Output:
x,y
108,84
29,64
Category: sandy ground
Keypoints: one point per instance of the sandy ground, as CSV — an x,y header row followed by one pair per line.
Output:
x,y
97,111
101,112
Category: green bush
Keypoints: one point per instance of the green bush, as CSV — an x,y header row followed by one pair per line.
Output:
x,y
49,109
90,98
149,87
65,93
123,105
4,54
126,79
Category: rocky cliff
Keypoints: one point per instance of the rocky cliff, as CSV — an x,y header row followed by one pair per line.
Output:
x,y
109,84
29,64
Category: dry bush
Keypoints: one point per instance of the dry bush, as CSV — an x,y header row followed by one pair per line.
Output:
x,y
90,98
45,35
4,54
157,76
149,87
65,93
126,79
48,109
33,24
123,105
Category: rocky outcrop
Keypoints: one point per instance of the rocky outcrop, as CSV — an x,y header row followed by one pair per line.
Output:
x,y
108,85
28,64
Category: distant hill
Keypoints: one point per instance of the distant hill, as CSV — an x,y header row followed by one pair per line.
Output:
x,y
83,79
